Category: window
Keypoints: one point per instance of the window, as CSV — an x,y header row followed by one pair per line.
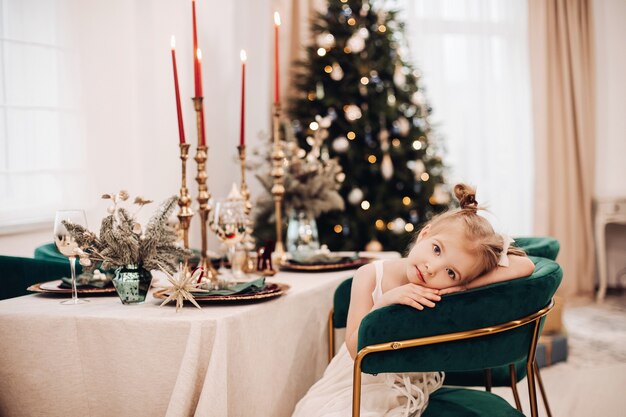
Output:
x,y
474,58
41,166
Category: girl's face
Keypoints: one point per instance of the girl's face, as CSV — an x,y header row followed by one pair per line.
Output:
x,y
440,260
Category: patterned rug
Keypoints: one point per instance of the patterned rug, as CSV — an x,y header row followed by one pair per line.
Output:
x,y
597,333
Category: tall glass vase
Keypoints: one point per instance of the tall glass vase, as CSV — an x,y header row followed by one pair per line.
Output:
x,y
302,236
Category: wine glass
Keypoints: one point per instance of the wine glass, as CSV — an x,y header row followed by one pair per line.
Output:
x,y
228,221
67,245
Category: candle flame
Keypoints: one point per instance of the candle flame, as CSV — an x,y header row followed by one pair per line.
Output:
x,y
276,19
199,54
173,42
243,56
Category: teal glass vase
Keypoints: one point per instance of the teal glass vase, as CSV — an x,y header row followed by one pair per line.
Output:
x,y
132,283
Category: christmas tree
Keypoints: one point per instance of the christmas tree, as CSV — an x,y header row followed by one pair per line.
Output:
x,y
357,73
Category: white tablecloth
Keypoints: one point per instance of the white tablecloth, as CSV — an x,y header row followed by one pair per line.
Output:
x,y
107,359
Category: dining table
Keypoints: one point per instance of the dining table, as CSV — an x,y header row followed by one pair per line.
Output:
x,y
103,358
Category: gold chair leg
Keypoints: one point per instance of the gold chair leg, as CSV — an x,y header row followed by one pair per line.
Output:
x,y
544,397
331,337
488,383
356,388
518,403
530,370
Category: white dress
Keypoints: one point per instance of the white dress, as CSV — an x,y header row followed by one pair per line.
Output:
x,y
382,395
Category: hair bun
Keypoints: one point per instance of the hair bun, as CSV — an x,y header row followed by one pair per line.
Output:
x,y
466,196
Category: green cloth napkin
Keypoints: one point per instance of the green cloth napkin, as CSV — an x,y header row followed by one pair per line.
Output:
x,y
66,282
325,259
241,288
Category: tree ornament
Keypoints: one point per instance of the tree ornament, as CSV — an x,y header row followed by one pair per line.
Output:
x,y
325,40
353,112
440,195
356,196
386,167
398,226
341,144
399,78
419,168
373,246
356,42
319,90
403,125
337,72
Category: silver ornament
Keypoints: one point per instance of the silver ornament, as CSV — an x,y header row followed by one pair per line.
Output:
x,y
341,144
355,196
353,112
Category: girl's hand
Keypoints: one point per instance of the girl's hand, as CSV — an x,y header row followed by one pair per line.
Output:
x,y
450,290
412,295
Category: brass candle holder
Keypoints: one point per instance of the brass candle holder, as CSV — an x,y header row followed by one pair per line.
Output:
x,y
278,189
244,186
248,240
184,200
203,193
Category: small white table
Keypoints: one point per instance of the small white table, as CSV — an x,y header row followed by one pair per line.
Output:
x,y
607,210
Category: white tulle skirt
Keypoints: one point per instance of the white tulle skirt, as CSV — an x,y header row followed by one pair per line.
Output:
x,y
383,395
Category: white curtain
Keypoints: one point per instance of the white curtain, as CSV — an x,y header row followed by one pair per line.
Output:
x,y
474,58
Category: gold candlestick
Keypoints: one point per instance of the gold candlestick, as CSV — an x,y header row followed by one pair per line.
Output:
x,y
184,200
278,189
203,193
244,187
248,240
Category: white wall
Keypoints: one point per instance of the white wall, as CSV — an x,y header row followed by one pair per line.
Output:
x,y
127,97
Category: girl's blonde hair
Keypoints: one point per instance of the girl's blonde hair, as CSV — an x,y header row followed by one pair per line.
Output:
x,y
484,242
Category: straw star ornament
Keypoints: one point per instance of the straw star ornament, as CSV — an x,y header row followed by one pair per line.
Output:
x,y
184,284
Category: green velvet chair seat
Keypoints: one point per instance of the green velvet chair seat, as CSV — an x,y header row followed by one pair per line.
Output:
x,y
455,402
17,274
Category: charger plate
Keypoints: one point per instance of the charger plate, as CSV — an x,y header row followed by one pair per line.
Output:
x,y
271,290
325,267
52,287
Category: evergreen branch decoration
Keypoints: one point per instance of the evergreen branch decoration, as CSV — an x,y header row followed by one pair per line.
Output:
x,y
312,179
121,241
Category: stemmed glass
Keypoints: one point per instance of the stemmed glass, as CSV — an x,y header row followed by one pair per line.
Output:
x,y
67,245
228,221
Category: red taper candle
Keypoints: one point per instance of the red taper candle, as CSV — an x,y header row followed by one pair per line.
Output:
x,y
199,94
181,129
276,67
242,129
196,66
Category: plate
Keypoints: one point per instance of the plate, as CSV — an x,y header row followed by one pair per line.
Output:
x,y
289,266
52,287
271,290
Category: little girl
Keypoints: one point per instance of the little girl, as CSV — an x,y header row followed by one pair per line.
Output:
x,y
454,251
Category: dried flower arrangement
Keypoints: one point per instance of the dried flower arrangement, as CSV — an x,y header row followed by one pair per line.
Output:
x,y
122,241
312,179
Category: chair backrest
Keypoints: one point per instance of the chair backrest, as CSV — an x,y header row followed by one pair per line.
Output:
x,y
17,274
474,309
543,247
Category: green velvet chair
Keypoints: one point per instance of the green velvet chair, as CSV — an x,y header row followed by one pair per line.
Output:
x,y
482,328
507,375
17,274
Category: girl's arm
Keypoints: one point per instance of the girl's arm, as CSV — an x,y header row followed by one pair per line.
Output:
x,y
361,301
519,266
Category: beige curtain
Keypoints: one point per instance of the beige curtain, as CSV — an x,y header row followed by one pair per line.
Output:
x,y
562,75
